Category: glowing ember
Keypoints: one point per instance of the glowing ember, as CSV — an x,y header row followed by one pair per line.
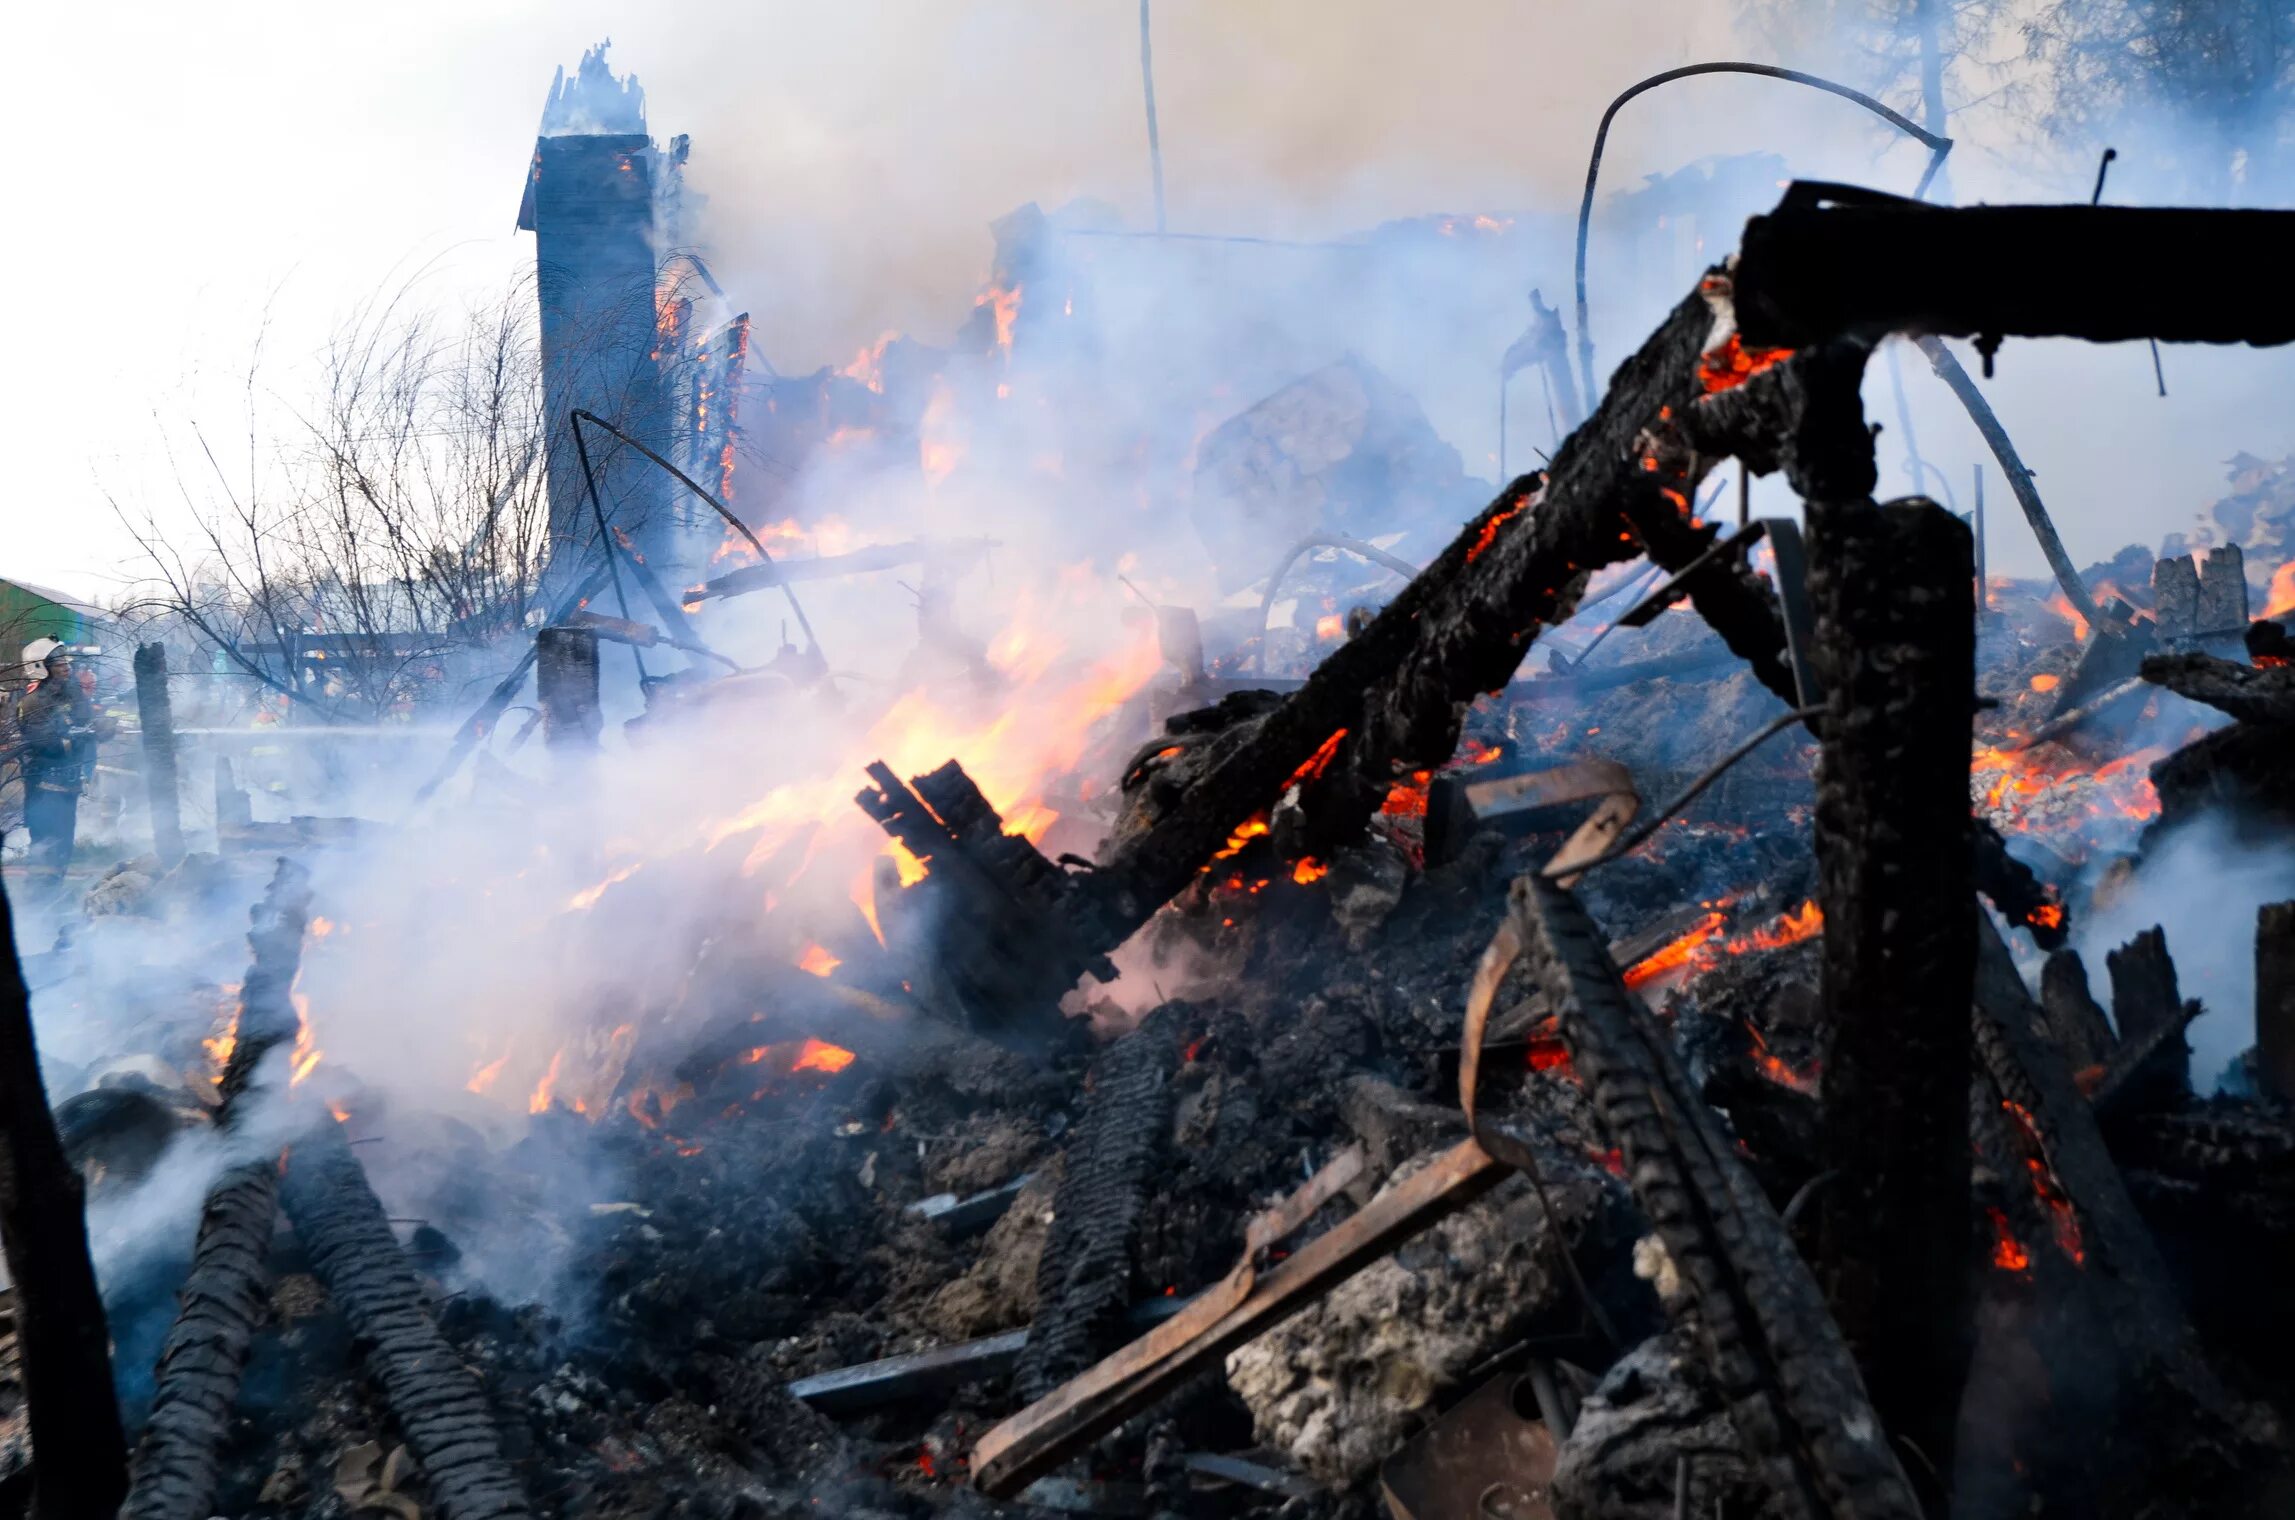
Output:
x,y
2008,1254
2022,792
1777,1070
1802,923
1732,364
1407,799
817,961
1316,763
820,1055
1308,871
2046,682
1675,953
1489,533
1249,829
1330,627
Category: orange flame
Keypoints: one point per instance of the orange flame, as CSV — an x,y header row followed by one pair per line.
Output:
x,y
482,1078
1309,871
1331,626
540,1101
817,961
305,1057
2046,682
2280,599
2008,1254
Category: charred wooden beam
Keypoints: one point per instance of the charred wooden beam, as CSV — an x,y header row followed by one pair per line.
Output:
x,y
79,1451
1793,1390
1896,648
2252,694
1831,260
1083,1277
1390,699
436,1400
483,717
155,715
178,1465
2275,997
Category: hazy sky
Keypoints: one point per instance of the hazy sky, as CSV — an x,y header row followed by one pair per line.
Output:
x,y
198,165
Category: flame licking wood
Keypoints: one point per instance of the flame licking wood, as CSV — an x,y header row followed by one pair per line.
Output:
x,y
540,1101
1732,364
483,1078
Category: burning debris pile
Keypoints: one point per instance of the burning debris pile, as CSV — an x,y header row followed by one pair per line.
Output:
x,y
1611,1089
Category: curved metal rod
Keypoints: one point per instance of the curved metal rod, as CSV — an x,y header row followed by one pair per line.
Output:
x,y
1937,146
687,481
1355,546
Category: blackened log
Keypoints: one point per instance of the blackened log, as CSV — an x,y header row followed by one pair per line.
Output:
x,y
1792,1388
2275,997
566,687
2241,770
1083,1277
79,1452
2147,1008
155,715
2253,695
1893,589
2175,1419
1829,261
178,1466
2075,1019
436,1400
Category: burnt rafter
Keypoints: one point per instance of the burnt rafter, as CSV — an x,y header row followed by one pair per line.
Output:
x,y
1832,261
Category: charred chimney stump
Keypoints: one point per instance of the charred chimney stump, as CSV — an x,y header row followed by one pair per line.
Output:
x,y
1892,589
178,1465
2150,1012
155,715
1793,1390
79,1452
1083,1277
438,1402
566,686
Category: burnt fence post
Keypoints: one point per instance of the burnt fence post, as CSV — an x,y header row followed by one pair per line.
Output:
x,y
1892,589
2275,997
566,684
155,714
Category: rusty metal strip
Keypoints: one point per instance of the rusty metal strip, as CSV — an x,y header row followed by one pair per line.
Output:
x,y
1046,1433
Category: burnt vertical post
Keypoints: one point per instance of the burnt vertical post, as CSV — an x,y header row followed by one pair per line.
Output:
x,y
1892,592
155,714
566,684
2275,996
79,1451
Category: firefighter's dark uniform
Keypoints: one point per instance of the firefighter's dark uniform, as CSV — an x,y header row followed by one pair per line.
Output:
x,y
55,766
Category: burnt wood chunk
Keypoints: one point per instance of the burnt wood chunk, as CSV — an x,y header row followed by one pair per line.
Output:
x,y
2275,997
566,686
436,1400
1012,930
155,715
1831,260
178,1465
2252,694
2173,1436
1893,588
1083,1279
2075,1018
79,1452
2147,1008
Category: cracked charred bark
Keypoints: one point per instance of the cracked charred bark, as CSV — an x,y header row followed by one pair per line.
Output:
x,y
1792,1388
178,1466
79,1453
1896,649
437,1401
